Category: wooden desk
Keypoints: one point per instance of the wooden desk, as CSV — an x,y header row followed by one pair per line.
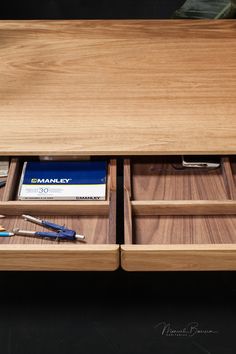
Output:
x,y
92,88
117,87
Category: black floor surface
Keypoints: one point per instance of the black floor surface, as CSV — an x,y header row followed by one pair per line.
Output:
x,y
120,312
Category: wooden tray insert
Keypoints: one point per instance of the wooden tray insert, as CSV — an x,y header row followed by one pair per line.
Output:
x,y
184,230
95,219
233,166
159,178
1,192
9,192
152,217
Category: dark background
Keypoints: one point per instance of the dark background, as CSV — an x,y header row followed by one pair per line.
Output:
x,y
92,9
117,312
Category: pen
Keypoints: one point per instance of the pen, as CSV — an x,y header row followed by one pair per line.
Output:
x,y
6,234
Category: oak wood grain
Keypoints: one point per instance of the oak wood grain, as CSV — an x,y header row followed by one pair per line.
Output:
x,y
178,257
54,257
117,87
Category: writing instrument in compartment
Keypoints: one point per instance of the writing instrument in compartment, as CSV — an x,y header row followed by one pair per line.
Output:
x,y
6,234
60,232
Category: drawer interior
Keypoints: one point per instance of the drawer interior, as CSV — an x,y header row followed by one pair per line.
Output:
x,y
163,178
10,191
95,228
184,229
167,205
96,220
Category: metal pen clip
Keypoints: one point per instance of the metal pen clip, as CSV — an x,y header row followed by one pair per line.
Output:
x,y
199,164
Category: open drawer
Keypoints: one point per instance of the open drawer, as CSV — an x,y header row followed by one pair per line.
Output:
x,y
179,218
94,219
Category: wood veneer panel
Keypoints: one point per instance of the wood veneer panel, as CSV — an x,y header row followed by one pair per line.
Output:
x,y
178,257
12,180
128,232
128,227
55,207
183,207
1,192
233,167
173,230
54,257
159,178
229,178
111,196
117,87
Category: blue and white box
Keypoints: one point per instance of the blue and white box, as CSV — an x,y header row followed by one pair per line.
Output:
x,y
63,180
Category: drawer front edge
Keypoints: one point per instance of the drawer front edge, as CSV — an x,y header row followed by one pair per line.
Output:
x,y
178,258
66,258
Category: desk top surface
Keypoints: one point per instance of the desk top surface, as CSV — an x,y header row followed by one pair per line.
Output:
x,y
117,87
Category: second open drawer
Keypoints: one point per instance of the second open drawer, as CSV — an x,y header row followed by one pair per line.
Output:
x,y
179,219
94,219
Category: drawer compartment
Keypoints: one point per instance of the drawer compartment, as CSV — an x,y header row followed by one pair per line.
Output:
x,y
189,233
11,190
163,178
96,220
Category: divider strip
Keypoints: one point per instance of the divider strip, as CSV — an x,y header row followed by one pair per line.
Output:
x,y
179,207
